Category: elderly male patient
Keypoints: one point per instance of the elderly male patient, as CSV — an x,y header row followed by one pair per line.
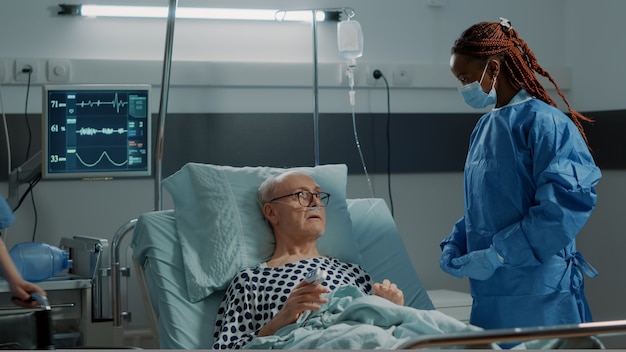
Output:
x,y
272,295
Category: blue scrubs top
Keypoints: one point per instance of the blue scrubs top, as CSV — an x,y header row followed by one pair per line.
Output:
x,y
529,189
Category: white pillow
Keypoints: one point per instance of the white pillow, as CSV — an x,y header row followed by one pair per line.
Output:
x,y
221,227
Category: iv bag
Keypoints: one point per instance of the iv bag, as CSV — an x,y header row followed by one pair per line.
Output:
x,y
350,39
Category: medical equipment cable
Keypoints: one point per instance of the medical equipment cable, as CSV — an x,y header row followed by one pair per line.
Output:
x,y
30,136
4,233
377,75
32,198
6,133
33,182
31,185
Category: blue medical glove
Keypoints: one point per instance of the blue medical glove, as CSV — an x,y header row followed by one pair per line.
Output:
x,y
449,253
479,265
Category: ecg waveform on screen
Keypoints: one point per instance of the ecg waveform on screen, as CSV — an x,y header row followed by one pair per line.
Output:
x,y
90,131
115,103
104,154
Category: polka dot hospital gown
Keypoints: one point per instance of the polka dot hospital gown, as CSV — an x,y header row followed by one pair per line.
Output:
x,y
256,294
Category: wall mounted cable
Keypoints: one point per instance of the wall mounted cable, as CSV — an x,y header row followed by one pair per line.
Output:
x,y
377,75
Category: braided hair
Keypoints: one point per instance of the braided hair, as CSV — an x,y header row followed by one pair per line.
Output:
x,y
486,39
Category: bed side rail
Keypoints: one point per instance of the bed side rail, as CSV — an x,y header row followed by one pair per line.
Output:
x,y
600,328
116,271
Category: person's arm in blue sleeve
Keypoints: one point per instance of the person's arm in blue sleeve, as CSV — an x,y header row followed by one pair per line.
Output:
x,y
20,288
6,214
565,175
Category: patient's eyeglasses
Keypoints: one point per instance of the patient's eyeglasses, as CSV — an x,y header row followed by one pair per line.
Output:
x,y
305,198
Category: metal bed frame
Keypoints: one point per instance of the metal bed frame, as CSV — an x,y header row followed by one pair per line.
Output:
x,y
594,329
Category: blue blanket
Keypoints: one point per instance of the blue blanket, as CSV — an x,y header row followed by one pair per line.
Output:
x,y
352,320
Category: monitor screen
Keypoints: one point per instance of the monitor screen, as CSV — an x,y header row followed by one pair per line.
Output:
x,y
96,131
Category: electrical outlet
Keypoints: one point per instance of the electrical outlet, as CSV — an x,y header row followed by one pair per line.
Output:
x,y
58,70
402,76
22,64
384,69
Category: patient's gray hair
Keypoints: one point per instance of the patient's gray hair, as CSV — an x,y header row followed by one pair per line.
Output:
x,y
267,189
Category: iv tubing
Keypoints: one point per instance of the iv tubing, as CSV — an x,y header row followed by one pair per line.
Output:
x,y
356,135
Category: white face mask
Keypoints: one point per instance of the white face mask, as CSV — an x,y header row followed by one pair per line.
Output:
x,y
474,96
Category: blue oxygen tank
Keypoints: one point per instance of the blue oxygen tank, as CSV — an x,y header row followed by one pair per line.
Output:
x,y
38,261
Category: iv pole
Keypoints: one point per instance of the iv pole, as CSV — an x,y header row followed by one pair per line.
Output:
x,y
316,134
316,112
167,63
165,87
116,269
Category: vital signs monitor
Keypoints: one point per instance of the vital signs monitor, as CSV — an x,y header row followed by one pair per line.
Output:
x,y
96,131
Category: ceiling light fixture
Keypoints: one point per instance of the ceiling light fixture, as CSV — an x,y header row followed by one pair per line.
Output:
x,y
190,13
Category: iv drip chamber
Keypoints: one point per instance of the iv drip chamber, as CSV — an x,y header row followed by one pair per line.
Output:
x,y
350,39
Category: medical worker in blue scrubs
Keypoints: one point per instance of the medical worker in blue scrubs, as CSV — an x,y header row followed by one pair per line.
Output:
x,y
529,188
20,288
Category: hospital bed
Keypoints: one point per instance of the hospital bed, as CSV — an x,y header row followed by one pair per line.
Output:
x,y
186,256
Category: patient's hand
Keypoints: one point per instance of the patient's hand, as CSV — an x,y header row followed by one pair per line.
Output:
x,y
389,291
305,296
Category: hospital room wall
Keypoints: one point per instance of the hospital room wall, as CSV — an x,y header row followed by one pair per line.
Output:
x,y
402,32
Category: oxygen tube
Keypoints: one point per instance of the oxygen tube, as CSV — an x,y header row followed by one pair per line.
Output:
x,y
350,42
